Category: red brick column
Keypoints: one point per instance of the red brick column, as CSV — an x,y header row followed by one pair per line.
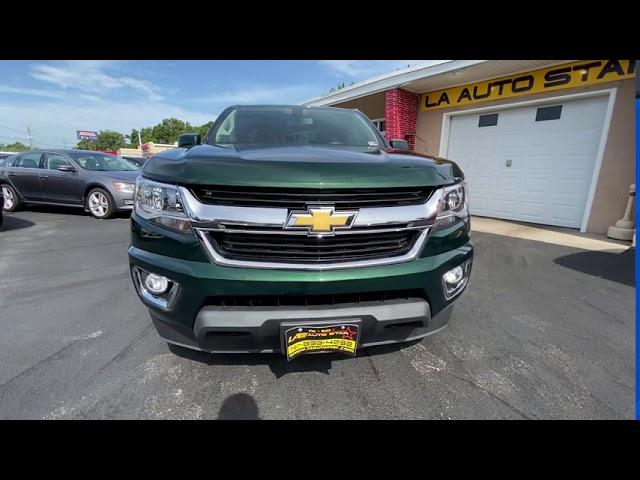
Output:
x,y
401,111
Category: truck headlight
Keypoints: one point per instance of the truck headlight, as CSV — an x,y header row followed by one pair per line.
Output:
x,y
160,203
453,205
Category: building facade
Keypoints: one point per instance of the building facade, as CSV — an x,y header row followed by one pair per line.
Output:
x,y
542,141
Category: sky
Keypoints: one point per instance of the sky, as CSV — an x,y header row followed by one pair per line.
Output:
x,y
55,98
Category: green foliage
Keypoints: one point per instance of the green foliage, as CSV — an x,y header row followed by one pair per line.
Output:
x,y
109,140
203,129
13,147
167,131
86,145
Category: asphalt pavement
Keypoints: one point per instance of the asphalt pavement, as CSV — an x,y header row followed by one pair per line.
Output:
x,y
543,332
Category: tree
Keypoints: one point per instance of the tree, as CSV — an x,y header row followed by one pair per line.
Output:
x,y
133,138
203,129
14,147
109,140
86,145
168,130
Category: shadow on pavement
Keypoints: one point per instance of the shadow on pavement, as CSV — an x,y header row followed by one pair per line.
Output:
x,y
61,210
239,406
278,363
77,211
617,267
10,222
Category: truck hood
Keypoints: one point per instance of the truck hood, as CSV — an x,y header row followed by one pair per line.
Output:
x,y
299,166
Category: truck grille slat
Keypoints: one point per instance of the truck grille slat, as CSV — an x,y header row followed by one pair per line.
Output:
x,y
314,300
301,198
267,247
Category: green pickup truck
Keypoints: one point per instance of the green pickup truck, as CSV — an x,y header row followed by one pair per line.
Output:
x,y
298,230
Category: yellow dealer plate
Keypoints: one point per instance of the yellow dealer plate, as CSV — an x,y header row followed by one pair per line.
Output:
x,y
320,338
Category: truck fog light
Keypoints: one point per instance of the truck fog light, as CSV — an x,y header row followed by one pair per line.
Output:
x,y
156,284
455,279
454,276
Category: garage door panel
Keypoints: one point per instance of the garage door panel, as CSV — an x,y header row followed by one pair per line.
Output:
x,y
580,141
579,164
540,162
481,204
535,185
547,138
566,214
532,209
551,161
481,182
483,163
572,186
504,206
507,184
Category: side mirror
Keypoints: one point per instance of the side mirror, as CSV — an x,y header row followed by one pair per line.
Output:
x,y
66,168
189,140
400,144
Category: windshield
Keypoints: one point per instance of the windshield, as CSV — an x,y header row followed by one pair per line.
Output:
x,y
102,162
294,126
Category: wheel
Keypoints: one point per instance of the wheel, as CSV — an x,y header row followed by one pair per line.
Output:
x,y
11,199
100,204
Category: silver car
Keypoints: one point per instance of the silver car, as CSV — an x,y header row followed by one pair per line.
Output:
x,y
101,183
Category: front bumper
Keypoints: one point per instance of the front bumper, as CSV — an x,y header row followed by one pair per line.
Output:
x,y
194,322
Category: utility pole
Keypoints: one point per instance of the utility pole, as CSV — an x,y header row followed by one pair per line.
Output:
x,y
139,140
29,137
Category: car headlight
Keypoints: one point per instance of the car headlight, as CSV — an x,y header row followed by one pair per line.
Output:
x,y
160,203
453,205
124,187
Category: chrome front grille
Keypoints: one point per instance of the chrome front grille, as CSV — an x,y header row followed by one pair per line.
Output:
x,y
255,237
305,249
300,198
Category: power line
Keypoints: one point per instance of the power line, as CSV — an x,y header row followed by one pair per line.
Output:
x,y
46,137
9,128
38,142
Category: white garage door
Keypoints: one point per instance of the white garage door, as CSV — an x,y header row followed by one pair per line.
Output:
x,y
532,164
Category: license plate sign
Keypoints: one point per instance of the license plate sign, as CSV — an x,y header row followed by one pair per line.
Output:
x,y
321,338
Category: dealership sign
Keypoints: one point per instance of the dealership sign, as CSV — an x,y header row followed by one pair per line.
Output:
x,y
86,135
571,75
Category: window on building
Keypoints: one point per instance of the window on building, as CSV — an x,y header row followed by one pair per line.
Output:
x,y
380,124
489,120
548,113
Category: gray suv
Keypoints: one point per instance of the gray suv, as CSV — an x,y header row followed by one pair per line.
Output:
x,y
99,182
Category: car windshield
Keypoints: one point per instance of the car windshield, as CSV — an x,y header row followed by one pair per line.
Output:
x,y
103,162
294,126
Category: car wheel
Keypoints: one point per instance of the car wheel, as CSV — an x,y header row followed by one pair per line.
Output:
x,y
11,199
100,204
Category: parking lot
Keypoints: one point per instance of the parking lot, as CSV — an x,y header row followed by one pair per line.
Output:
x,y
544,331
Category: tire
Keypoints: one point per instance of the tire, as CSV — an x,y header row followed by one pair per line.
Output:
x,y
100,204
12,200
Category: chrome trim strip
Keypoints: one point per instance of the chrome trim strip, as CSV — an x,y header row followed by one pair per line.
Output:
x,y
204,214
304,234
215,257
212,216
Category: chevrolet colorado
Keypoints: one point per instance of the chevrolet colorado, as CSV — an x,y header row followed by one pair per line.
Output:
x,y
297,230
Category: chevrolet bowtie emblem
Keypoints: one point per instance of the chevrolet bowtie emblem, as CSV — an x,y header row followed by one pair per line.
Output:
x,y
320,220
